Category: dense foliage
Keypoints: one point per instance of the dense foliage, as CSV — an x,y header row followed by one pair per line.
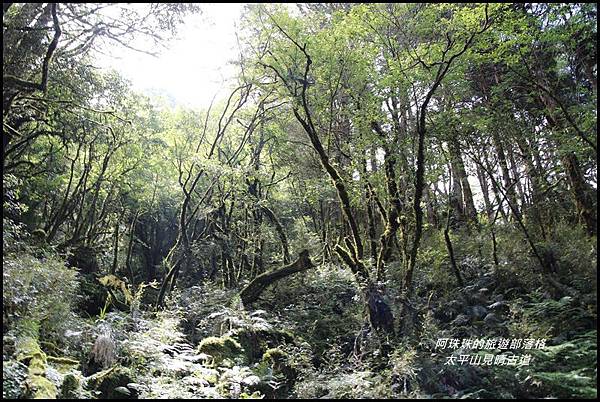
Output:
x,y
380,178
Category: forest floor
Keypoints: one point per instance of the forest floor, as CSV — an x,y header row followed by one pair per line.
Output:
x,y
307,337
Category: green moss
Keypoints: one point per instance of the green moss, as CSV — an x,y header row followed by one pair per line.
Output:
x,y
64,365
221,348
30,354
279,361
254,395
41,388
274,355
208,374
28,349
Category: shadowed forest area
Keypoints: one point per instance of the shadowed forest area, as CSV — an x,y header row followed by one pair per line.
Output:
x,y
391,201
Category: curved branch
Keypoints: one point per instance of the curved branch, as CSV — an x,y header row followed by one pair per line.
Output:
x,y
32,86
254,289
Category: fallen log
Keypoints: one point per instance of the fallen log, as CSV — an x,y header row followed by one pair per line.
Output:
x,y
254,289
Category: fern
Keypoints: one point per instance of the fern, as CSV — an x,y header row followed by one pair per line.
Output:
x,y
567,370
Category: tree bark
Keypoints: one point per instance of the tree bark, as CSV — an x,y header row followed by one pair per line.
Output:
x,y
485,191
130,248
461,174
582,194
580,191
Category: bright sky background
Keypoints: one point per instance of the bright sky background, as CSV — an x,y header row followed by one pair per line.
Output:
x,y
194,66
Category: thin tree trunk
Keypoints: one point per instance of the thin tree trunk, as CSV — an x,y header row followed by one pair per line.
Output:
x,y
581,193
113,268
450,249
279,228
431,214
485,192
130,248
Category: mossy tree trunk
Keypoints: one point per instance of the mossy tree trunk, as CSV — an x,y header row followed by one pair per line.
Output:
x,y
254,289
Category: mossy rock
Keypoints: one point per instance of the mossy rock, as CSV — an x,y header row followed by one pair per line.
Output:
x,y
85,258
64,365
93,295
108,380
276,362
279,361
39,387
70,387
256,343
274,356
221,349
207,374
30,354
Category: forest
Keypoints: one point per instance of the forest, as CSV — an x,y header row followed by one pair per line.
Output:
x,y
392,200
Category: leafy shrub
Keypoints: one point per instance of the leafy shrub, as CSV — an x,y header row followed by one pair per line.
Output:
x,y
38,293
12,235
13,231
576,255
435,263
